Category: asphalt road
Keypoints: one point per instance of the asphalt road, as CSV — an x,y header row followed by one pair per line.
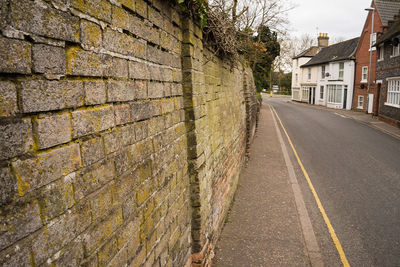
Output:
x,y
355,170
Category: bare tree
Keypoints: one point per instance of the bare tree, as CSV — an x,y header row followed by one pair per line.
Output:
x,y
250,14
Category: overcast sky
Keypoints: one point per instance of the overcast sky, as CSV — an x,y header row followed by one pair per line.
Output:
x,y
338,18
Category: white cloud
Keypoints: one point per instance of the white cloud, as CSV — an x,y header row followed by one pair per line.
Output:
x,y
339,18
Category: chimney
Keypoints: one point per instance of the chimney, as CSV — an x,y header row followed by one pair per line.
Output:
x,y
323,40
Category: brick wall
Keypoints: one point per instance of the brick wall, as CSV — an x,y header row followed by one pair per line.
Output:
x,y
387,68
121,138
362,60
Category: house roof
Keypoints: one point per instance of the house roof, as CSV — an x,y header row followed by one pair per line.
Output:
x,y
336,52
310,52
387,9
392,32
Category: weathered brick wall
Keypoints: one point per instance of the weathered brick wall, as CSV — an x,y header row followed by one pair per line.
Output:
x,y
387,68
121,138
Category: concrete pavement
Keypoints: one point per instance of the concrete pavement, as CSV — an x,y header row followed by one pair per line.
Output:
x,y
267,224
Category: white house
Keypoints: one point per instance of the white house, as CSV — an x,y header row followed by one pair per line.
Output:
x,y
304,81
335,66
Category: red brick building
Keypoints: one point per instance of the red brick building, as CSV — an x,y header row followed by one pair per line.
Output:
x,y
365,96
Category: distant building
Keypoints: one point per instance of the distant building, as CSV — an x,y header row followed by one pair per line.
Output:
x,y
333,68
364,83
304,81
388,74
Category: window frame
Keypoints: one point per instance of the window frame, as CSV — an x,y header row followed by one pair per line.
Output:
x,y
372,41
395,51
366,74
332,94
305,90
341,70
381,53
393,92
321,92
323,71
360,97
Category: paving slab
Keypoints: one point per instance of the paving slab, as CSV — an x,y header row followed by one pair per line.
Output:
x,y
263,227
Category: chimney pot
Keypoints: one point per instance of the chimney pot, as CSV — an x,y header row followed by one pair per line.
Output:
x,y
323,40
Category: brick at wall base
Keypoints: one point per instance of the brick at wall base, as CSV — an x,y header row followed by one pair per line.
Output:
x,y
202,258
390,121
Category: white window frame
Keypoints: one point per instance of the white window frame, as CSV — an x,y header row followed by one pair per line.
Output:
x,y
341,70
332,93
305,93
364,73
381,53
321,92
372,41
360,102
393,92
309,74
395,51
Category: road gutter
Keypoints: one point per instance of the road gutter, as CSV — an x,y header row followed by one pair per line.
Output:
x,y
314,252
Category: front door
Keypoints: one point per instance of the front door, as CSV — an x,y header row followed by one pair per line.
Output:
x,y
345,98
377,97
370,102
311,97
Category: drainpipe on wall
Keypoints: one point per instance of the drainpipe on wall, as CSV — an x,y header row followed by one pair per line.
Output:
x,y
370,55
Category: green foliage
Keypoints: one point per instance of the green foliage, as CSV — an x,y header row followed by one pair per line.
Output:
x,y
283,80
260,49
286,81
196,8
259,97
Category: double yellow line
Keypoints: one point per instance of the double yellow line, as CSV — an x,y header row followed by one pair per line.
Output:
x,y
319,204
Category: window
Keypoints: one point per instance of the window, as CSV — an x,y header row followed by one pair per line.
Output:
x,y
396,50
321,92
364,74
309,73
380,53
297,78
341,70
296,94
335,94
304,93
360,102
323,72
372,40
393,92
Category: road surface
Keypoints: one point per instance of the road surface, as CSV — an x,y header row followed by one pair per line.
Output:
x,y
355,170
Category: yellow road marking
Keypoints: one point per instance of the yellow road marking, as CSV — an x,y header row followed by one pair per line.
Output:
x,y
319,204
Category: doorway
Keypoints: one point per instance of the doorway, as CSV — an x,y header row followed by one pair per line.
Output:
x,y
370,103
345,98
377,97
311,98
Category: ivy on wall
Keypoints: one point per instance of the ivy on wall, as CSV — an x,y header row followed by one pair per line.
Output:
x,y
197,8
